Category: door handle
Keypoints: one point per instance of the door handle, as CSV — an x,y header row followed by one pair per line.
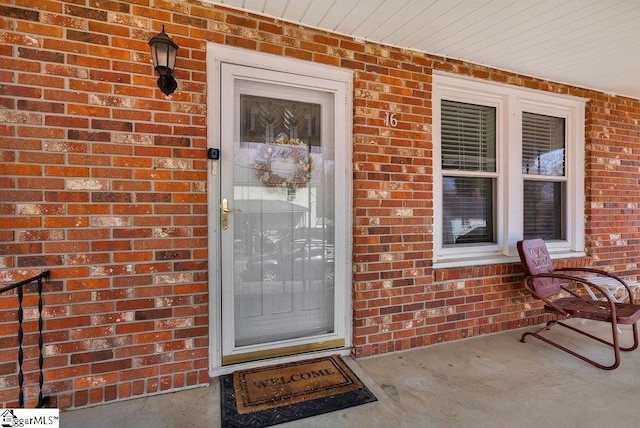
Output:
x,y
225,214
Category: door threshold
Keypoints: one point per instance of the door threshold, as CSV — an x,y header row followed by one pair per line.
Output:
x,y
227,369
282,351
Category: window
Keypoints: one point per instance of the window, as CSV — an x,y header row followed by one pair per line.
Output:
x,y
468,148
509,165
543,169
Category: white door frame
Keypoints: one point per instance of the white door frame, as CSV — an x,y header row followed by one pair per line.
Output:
x,y
216,56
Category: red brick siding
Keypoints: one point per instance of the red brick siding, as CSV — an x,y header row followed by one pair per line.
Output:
x,y
613,182
104,183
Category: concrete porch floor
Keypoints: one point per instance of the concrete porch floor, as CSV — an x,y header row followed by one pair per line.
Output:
x,y
490,381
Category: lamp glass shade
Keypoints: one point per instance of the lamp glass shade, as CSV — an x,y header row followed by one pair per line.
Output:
x,y
171,55
163,52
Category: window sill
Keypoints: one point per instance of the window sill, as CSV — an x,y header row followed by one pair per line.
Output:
x,y
498,259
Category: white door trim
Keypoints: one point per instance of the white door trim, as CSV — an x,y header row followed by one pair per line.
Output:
x,y
216,56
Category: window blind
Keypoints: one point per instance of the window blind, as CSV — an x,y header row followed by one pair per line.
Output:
x,y
468,136
544,210
468,210
543,144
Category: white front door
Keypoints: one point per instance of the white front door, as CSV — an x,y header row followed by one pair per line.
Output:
x,y
282,230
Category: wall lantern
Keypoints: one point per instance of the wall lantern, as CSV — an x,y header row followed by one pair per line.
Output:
x,y
163,52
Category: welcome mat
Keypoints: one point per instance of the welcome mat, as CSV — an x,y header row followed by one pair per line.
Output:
x,y
281,393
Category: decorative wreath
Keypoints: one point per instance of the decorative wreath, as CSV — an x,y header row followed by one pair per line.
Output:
x,y
303,164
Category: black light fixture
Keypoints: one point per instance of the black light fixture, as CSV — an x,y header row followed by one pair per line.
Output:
x,y
163,52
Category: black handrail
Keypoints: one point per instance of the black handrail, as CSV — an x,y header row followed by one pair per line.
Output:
x,y
42,401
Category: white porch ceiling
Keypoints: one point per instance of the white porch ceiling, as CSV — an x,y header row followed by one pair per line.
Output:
x,y
589,43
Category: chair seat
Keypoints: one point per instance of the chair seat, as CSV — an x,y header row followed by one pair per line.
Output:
x,y
597,310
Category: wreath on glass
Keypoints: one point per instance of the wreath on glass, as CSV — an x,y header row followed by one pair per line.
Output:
x,y
293,149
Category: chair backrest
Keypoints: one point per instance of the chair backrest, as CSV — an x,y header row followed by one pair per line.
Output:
x,y
535,259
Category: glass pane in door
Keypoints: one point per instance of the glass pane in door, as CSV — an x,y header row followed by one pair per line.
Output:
x,y
283,230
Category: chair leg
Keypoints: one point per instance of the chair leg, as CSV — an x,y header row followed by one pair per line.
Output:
x,y
547,326
634,332
615,344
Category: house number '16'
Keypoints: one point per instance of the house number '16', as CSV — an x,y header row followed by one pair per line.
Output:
x,y
390,119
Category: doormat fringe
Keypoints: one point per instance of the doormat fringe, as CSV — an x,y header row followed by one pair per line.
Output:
x,y
272,395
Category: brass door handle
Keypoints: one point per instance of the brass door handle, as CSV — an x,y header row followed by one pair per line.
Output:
x,y
225,214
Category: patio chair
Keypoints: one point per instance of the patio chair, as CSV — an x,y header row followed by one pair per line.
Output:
x,y
554,288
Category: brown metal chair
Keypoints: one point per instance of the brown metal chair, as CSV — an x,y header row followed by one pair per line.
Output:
x,y
553,287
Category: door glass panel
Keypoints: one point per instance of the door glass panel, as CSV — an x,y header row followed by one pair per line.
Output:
x,y
283,227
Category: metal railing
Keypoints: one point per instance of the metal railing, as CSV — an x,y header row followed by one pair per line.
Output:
x,y
43,401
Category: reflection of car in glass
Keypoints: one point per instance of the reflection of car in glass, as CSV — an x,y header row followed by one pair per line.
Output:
x,y
467,210
478,234
302,259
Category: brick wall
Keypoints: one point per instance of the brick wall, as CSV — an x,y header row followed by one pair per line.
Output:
x,y
613,182
104,183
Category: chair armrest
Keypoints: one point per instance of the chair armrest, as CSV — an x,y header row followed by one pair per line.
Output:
x,y
611,302
602,273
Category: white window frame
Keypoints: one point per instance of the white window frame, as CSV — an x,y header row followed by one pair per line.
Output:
x,y
510,101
